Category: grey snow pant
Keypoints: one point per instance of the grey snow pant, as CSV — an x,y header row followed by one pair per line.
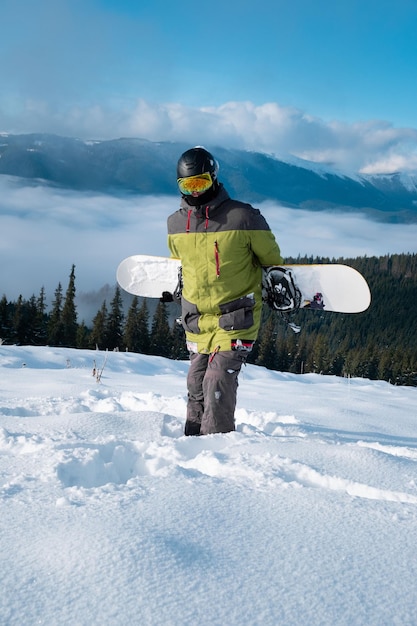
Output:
x,y
212,387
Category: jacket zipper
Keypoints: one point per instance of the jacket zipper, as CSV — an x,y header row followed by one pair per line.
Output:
x,y
187,228
216,245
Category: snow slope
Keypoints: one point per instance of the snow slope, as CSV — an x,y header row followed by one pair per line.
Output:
x,y
306,515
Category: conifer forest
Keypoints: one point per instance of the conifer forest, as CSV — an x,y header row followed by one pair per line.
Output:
x,y
379,344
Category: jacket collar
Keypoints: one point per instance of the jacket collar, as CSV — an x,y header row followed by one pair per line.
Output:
x,y
210,207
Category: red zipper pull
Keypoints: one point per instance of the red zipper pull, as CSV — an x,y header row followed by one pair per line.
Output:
x,y
217,257
187,228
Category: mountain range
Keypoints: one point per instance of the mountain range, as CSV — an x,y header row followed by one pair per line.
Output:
x,y
139,166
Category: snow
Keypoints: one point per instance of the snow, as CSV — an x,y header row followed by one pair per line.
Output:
x,y
306,515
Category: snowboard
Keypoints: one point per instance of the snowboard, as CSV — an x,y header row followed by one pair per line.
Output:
x,y
327,287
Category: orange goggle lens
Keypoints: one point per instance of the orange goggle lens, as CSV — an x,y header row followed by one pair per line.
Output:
x,y
195,184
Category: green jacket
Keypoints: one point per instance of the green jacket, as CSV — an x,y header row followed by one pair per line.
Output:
x,y
222,247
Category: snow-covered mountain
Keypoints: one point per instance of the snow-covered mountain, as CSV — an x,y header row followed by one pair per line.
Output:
x,y
306,515
144,167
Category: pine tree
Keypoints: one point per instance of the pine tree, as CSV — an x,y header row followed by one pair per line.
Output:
x,y
24,321
179,345
320,355
143,329
161,341
267,350
130,334
31,316
114,326
55,325
98,332
136,332
69,314
83,336
41,319
299,356
20,323
5,323
336,364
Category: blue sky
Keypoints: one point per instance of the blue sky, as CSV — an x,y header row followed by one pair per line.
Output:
x,y
333,81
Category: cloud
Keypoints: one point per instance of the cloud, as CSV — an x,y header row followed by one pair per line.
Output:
x,y
392,161
44,231
102,70
336,235
372,146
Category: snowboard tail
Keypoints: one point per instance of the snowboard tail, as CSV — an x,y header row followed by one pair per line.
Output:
x,y
327,287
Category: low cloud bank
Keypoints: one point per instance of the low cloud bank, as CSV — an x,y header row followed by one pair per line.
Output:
x,y
45,231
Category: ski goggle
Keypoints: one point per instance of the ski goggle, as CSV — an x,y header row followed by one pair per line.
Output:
x,y
195,184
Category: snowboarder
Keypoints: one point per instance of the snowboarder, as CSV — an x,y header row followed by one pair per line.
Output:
x,y
222,244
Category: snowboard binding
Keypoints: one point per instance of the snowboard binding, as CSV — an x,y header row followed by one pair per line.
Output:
x,y
281,294
279,290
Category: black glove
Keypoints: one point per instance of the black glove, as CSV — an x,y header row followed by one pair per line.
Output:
x,y
166,297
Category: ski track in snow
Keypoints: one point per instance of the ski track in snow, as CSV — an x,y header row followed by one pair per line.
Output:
x,y
255,455
109,511
91,462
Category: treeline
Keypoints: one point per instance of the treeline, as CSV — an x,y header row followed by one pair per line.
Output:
x,y
380,343
26,322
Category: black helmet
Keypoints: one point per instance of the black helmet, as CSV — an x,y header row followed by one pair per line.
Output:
x,y
197,161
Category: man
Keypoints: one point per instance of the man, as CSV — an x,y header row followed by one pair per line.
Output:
x,y
222,244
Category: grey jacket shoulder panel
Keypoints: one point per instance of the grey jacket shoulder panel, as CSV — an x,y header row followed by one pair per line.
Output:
x,y
222,214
